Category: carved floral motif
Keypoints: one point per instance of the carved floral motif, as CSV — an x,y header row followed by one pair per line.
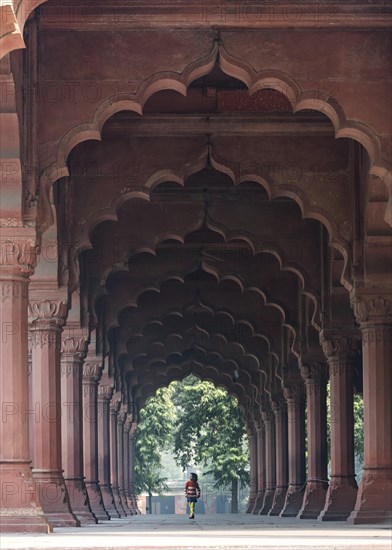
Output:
x,y
372,308
47,310
18,254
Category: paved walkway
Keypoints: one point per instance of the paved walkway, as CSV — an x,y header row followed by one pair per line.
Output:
x,y
228,532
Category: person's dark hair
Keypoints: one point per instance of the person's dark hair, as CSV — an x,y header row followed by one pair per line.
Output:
x,y
194,476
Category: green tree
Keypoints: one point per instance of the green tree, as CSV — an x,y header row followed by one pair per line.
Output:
x,y
210,431
154,435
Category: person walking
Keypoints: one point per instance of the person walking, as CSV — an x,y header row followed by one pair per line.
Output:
x,y
192,493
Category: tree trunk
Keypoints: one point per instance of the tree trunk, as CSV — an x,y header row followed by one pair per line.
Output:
x,y
149,503
234,496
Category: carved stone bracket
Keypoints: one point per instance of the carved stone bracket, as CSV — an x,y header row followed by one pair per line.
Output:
x,y
18,251
372,307
73,350
128,423
278,405
122,413
313,372
340,343
48,311
115,403
133,430
92,369
105,390
295,392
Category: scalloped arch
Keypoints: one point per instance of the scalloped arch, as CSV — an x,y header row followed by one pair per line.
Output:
x,y
241,70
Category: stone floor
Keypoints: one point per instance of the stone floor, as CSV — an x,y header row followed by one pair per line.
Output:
x,y
229,532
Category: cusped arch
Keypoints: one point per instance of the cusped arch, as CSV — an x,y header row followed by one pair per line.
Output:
x,y
239,69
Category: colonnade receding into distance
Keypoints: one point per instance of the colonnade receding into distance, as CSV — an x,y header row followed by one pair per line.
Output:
x,y
209,194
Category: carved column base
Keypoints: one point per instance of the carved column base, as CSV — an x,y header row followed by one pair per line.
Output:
x,y
79,501
130,506
53,496
124,502
96,501
251,503
278,501
340,499
259,502
267,503
23,520
374,499
108,500
293,501
118,502
134,503
314,500
19,512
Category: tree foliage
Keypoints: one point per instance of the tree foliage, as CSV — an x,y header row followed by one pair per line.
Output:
x,y
154,435
203,424
210,431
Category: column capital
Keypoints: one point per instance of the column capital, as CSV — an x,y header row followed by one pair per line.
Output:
x,y
340,343
313,372
128,422
294,392
18,252
278,405
74,342
122,413
260,427
133,430
372,305
115,403
46,315
105,388
92,368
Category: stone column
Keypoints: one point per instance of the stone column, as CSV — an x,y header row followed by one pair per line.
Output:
x,y
122,413
127,427
270,479
340,348
105,392
315,376
46,321
91,374
132,437
253,469
280,414
73,351
374,499
114,408
19,510
295,399
260,433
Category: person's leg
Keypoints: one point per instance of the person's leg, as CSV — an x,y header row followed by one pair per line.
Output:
x,y
192,510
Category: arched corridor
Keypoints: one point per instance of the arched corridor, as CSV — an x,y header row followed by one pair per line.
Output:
x,y
182,193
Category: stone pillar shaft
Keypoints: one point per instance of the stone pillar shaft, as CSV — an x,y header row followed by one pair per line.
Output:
x,y
260,434
339,350
105,391
270,460
280,414
253,470
295,399
47,319
91,374
120,455
132,438
17,256
317,484
73,349
114,407
374,499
